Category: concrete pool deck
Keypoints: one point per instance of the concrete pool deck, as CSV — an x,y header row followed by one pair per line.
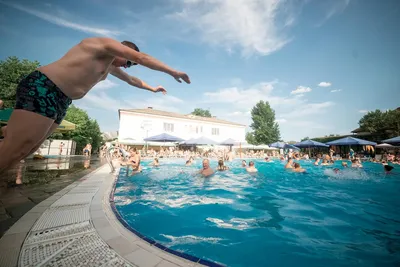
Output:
x,y
77,227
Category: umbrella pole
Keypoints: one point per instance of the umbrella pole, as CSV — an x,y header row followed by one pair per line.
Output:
x,y
349,152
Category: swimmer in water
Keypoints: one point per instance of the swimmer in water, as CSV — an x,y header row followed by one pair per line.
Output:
x,y
251,167
206,171
155,163
316,163
355,164
44,95
388,169
344,164
289,164
298,168
267,159
221,166
325,163
189,162
244,164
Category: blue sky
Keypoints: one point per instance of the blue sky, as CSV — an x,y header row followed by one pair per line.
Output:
x,y
320,64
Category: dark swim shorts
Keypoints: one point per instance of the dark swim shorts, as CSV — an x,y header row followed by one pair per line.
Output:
x,y
38,94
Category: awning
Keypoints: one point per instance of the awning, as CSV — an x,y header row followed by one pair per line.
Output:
x,y
65,126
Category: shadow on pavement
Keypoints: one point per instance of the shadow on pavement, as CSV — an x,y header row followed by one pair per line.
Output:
x,y
31,182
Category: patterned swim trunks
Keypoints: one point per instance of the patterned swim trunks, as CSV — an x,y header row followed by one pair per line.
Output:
x,y
38,94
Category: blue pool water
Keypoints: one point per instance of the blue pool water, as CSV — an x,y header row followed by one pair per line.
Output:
x,y
273,218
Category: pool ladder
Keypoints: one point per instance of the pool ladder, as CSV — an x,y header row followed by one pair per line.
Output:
x,y
109,156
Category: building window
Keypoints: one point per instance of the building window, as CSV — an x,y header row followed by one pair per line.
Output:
x,y
168,127
214,131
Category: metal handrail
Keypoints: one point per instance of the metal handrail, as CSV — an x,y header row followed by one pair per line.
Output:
x,y
109,156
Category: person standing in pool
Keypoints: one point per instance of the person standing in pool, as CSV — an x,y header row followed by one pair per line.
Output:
x,y
44,95
221,166
297,168
289,164
206,171
251,167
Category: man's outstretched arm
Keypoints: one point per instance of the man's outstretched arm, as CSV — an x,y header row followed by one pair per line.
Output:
x,y
115,48
122,75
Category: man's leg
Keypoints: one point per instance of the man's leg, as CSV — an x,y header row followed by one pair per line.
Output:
x,y
50,131
25,130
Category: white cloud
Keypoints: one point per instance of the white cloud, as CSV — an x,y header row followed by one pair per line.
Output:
x,y
301,90
363,111
254,26
308,109
336,90
62,22
280,121
245,98
106,84
338,6
299,95
324,84
297,117
236,113
101,100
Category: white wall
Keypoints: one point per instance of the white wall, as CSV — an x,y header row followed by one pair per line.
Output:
x,y
134,125
53,147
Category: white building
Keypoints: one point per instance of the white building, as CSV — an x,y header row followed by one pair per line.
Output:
x,y
137,124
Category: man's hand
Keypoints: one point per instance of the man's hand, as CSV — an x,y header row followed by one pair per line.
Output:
x,y
160,89
180,75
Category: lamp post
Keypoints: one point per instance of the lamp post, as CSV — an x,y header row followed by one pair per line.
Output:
x,y
146,126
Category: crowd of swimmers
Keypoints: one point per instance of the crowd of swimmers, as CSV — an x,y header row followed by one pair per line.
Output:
x,y
291,160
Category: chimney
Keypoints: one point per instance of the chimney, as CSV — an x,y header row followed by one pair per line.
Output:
x,y
150,107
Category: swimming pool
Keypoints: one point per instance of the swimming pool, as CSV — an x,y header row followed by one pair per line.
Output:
x,y
273,218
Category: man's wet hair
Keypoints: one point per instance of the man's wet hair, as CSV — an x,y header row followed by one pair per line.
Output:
x,y
131,45
388,168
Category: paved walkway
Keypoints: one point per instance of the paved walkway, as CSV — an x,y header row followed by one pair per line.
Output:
x,y
39,183
76,227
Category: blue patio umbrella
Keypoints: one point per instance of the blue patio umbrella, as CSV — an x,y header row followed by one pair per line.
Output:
x,y
393,140
349,141
201,141
278,145
310,143
287,146
164,137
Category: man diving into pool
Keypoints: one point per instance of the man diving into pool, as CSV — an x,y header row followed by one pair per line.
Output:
x,y
44,95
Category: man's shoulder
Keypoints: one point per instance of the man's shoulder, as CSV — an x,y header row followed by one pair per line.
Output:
x,y
96,44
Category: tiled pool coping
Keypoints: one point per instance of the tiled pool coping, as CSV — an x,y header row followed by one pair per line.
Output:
x,y
104,227
151,241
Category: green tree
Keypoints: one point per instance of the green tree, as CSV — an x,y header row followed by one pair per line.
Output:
x,y
12,70
201,112
386,124
266,129
87,130
305,138
250,138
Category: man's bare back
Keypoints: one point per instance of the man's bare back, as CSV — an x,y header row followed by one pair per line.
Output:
x,y
44,95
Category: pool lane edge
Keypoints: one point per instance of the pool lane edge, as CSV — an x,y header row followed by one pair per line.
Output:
x,y
151,242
